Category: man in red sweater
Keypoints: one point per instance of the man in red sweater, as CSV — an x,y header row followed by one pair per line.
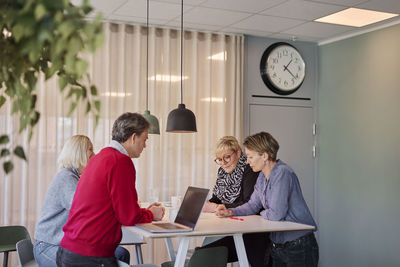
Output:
x,y
106,198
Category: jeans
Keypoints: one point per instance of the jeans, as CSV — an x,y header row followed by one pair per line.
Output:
x,y
122,254
46,253
302,252
66,258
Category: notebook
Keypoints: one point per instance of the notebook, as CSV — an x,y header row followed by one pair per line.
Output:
x,y
188,214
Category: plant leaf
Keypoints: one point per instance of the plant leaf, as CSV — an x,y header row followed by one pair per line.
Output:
x,y
8,166
97,105
4,139
2,100
88,107
62,82
4,152
40,12
19,151
93,90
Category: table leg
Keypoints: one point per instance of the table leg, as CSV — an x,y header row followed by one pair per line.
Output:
x,y
139,255
182,252
5,259
170,248
240,250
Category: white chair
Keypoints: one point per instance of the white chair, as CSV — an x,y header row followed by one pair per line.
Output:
x,y
25,254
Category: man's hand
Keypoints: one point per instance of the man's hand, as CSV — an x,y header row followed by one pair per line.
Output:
x,y
223,211
158,211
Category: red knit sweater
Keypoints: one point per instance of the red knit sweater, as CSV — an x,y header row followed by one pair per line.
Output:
x,y
104,200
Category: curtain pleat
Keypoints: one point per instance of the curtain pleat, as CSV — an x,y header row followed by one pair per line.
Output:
x,y
212,89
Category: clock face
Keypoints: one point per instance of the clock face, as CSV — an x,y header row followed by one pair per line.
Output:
x,y
282,68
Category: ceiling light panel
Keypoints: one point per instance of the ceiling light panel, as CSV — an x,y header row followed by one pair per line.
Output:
x,y
356,17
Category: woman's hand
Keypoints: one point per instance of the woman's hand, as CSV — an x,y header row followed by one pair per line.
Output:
x,y
210,207
223,211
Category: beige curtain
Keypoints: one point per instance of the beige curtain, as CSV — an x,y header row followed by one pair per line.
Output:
x,y
212,89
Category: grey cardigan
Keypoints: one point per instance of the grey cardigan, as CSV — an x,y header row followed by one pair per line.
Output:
x,y
56,206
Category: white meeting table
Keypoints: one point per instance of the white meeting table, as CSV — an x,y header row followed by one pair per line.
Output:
x,y
211,225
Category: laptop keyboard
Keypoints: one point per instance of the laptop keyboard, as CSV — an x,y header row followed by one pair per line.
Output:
x,y
169,226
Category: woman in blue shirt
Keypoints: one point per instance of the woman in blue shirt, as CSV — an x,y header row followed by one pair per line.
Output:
x,y
277,191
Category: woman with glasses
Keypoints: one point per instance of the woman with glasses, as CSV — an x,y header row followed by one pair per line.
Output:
x,y
234,186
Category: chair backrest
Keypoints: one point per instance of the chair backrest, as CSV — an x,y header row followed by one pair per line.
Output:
x,y
10,235
25,252
210,257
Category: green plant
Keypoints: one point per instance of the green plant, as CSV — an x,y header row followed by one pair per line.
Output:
x,y
44,37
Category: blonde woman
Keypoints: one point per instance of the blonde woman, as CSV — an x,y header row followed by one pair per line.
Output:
x,y
73,158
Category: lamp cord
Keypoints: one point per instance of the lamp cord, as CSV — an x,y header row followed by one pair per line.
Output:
x,y
147,59
182,52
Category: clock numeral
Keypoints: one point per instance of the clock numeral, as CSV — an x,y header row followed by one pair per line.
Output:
x,y
275,60
286,83
285,53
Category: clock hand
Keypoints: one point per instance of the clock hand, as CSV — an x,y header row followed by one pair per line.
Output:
x,y
290,73
286,68
287,64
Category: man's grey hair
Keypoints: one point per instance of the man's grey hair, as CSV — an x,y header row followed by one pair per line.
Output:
x,y
128,124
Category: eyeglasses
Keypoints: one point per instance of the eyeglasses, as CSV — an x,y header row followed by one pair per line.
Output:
x,y
224,159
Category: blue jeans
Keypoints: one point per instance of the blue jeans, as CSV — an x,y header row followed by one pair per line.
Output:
x,y
302,252
46,254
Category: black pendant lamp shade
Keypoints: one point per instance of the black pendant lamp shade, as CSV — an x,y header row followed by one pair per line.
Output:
x,y
154,125
181,120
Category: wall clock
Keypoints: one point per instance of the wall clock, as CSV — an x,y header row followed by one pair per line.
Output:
x,y
282,68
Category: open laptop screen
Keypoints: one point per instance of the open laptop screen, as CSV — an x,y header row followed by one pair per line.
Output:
x,y
191,207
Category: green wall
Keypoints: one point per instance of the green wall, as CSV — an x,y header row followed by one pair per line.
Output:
x,y
359,150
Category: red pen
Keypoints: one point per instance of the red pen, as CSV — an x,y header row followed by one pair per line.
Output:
x,y
235,218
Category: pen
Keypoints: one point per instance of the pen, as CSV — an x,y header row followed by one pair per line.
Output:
x,y
235,218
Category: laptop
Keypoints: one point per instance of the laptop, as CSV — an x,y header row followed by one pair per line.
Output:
x,y
188,214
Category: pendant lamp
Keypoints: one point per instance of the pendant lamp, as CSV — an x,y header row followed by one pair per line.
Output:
x,y
154,125
181,120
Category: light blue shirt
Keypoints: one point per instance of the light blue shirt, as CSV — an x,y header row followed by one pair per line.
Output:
x,y
116,145
280,199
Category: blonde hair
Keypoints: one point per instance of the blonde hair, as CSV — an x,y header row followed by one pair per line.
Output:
x,y
73,153
227,143
262,142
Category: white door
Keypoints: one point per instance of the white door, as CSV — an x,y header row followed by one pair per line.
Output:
x,y
292,128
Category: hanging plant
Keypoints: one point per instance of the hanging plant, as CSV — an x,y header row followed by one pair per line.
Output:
x,y
44,37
